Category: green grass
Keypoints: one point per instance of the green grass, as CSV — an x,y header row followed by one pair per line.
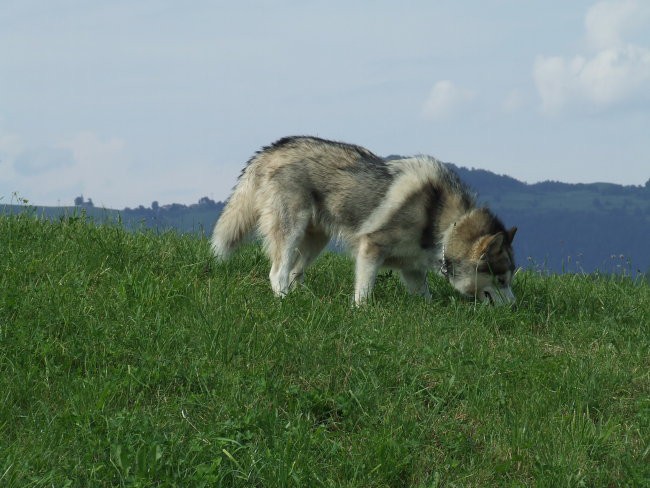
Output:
x,y
131,359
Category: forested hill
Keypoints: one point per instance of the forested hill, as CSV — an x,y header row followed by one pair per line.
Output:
x,y
572,227
562,227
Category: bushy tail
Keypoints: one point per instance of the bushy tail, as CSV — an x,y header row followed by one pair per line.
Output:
x,y
238,218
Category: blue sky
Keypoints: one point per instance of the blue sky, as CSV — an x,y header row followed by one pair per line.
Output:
x,y
127,102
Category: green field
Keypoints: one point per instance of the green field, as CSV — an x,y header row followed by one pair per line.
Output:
x,y
132,359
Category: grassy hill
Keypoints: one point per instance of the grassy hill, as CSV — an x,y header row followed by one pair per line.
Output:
x,y
132,359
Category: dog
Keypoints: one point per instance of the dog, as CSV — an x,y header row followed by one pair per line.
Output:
x,y
412,215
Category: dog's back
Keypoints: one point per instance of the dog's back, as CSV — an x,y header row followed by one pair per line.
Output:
x,y
331,184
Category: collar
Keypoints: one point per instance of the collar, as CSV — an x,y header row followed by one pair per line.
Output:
x,y
446,268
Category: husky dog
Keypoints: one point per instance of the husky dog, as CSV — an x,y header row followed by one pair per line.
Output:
x,y
412,215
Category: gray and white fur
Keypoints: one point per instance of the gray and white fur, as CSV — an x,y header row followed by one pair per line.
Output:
x,y
412,215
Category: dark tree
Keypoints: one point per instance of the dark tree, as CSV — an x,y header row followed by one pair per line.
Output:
x,y
207,202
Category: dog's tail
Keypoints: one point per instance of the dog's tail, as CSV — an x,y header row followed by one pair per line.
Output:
x,y
238,217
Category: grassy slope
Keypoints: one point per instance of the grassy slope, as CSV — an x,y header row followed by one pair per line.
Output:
x,y
131,359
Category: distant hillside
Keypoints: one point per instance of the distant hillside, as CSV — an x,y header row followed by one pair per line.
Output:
x,y
573,227
562,227
198,218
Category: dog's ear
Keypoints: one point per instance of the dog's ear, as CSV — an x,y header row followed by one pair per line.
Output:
x,y
494,244
510,234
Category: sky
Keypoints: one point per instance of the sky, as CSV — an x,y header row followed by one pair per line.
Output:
x,y
126,102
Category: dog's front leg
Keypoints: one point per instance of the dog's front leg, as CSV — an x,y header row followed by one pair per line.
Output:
x,y
416,282
368,263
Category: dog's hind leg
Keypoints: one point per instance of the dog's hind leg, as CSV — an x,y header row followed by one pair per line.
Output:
x,y
369,260
416,282
282,241
312,244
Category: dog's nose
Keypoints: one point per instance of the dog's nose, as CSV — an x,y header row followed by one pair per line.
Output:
x,y
499,296
507,295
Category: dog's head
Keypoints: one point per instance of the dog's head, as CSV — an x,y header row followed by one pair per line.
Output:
x,y
486,272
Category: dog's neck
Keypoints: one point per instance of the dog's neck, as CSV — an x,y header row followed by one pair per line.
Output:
x,y
449,227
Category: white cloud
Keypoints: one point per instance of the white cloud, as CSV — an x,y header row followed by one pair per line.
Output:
x,y
616,74
91,152
10,147
612,77
10,144
100,168
608,23
513,102
445,99
47,173
39,160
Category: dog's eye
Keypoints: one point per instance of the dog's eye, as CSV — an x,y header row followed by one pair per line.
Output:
x,y
501,280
